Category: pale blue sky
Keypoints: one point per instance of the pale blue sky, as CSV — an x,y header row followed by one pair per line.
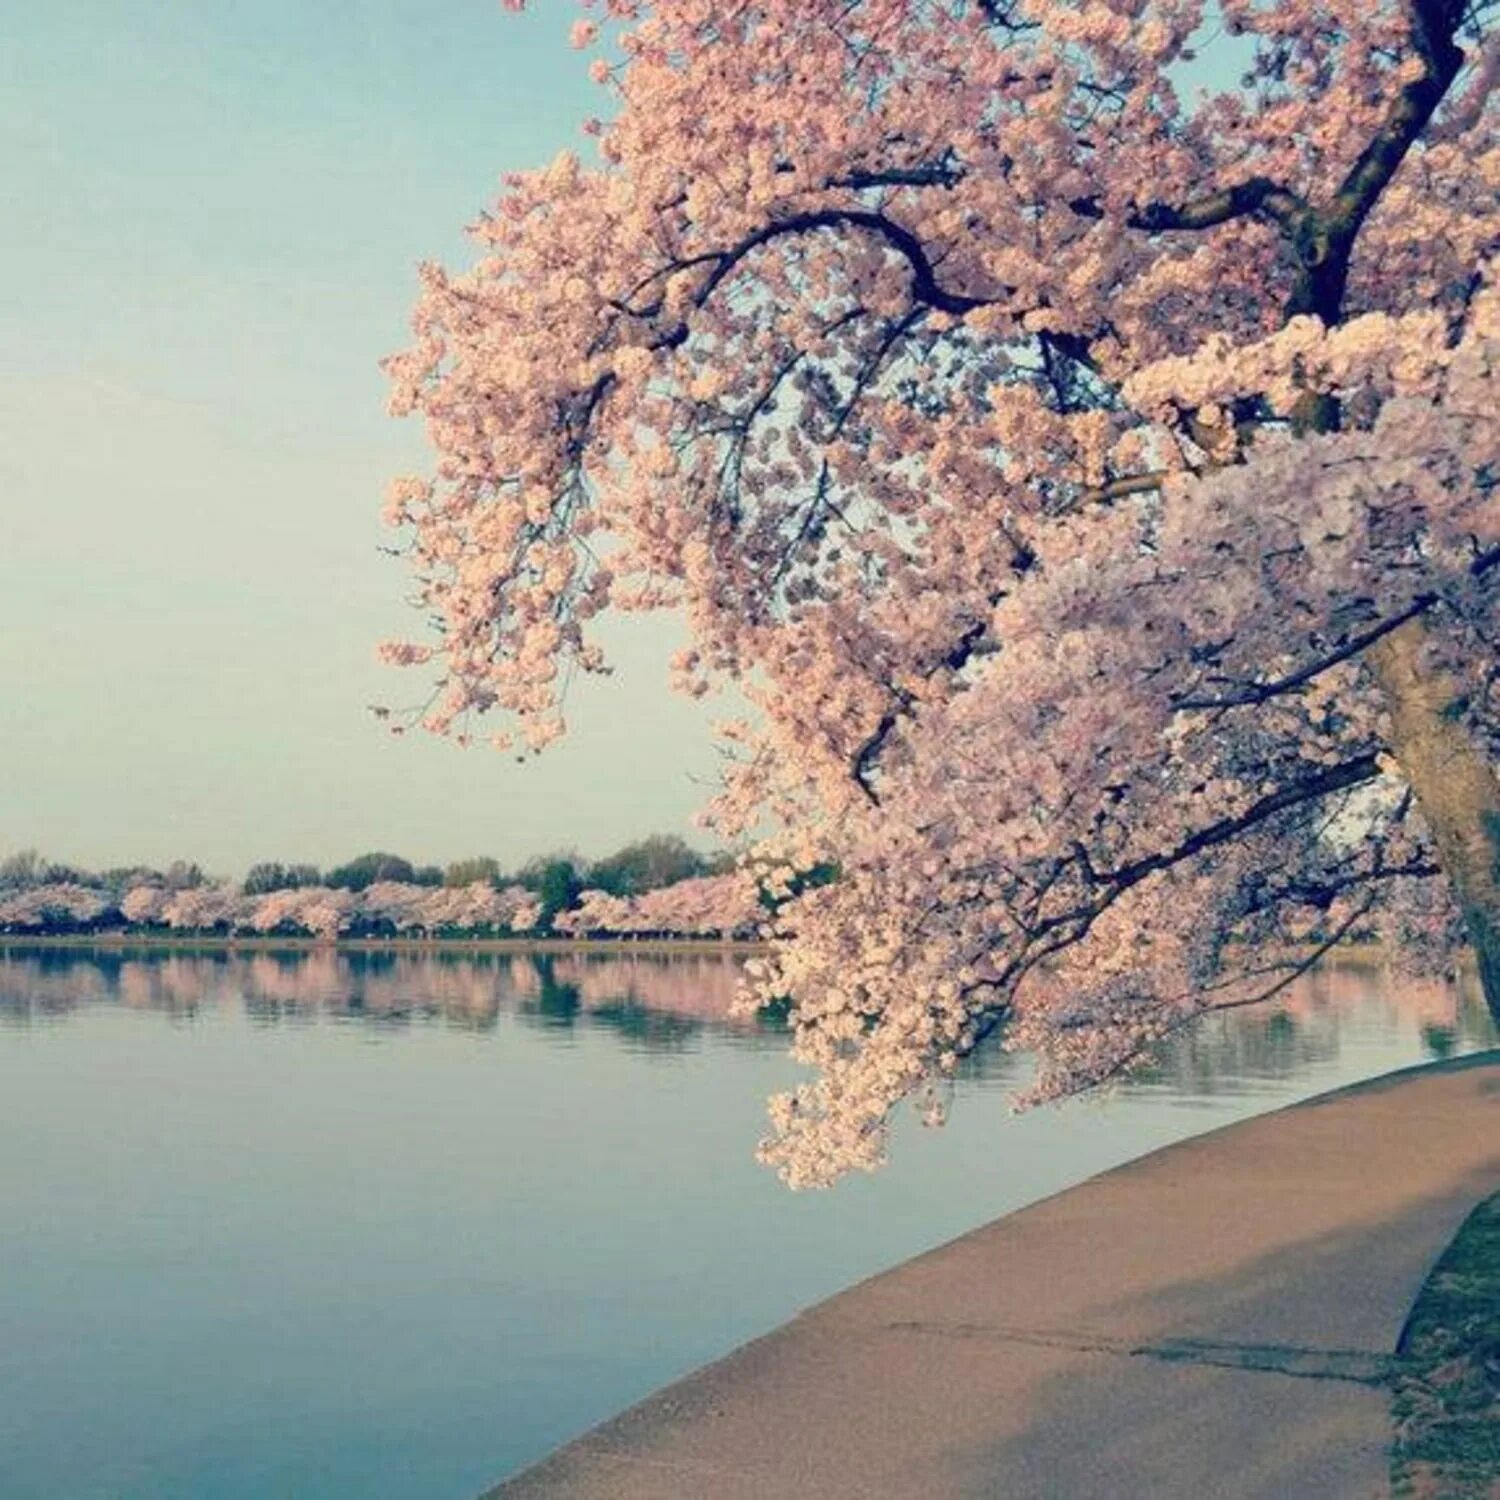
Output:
x,y
213,213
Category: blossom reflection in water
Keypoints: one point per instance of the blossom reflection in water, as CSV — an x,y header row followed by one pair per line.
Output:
x,y
662,1001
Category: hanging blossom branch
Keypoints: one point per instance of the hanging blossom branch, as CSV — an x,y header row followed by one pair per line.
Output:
x,y
1052,463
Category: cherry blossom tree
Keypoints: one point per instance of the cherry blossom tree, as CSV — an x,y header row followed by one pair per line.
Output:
x,y
145,905
55,906
711,906
597,913
705,906
526,914
328,913
276,910
391,906
205,908
1073,428
394,905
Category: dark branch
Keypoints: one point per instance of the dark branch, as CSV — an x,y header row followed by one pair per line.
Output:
x,y
1324,239
1259,198
863,764
1119,489
1331,779
924,283
1261,692
1065,928
944,173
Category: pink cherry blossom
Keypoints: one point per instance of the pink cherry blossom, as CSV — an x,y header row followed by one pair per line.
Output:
x,y
1086,477
59,904
714,906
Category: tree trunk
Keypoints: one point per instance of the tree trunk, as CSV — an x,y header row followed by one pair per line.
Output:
x,y
1455,786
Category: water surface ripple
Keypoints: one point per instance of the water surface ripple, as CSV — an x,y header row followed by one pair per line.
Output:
x,y
390,1226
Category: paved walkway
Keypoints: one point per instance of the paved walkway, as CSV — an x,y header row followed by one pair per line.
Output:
x,y
1210,1322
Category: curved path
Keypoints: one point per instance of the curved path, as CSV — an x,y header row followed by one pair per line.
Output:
x,y
1211,1321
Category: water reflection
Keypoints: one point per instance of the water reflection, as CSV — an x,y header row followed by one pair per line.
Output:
x,y
658,1002
420,1264
663,1003
1308,1026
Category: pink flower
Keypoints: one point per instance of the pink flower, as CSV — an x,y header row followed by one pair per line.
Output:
x,y
968,393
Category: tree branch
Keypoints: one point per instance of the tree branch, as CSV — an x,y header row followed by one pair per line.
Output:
x,y
1261,692
1324,239
863,763
1337,778
1257,198
1118,489
924,283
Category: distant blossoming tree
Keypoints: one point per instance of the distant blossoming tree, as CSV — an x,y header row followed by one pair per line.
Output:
x,y
1073,426
56,906
711,906
203,908
145,905
384,907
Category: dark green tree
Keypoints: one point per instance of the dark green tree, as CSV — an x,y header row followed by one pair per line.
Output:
x,y
467,871
557,880
275,876
662,859
22,871
120,878
365,869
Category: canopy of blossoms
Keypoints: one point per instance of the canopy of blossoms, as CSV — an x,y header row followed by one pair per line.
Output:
x,y
1073,427
705,906
62,904
315,911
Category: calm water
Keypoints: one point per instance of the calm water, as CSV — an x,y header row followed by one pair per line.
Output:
x,y
374,1226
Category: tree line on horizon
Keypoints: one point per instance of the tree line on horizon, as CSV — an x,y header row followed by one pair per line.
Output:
x,y
639,866
381,893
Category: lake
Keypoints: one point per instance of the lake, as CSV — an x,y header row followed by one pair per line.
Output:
x,y
391,1226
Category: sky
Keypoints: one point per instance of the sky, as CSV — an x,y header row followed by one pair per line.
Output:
x,y
214,212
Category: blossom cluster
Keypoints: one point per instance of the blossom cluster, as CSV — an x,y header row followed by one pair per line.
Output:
x,y
62,904
704,906
1048,450
315,911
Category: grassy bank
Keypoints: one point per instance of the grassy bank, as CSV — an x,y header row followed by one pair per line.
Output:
x,y
1445,1402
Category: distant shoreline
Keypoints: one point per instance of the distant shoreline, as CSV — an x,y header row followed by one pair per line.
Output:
x,y
618,947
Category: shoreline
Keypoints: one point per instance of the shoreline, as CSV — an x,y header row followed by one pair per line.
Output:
x,y
1233,1305
115,942
163,942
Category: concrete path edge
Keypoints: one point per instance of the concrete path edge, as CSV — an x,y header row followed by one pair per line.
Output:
x,y
1213,1319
